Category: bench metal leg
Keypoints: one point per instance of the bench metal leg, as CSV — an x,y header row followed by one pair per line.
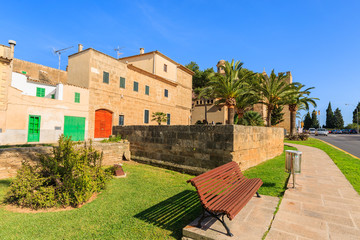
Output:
x,y
218,218
258,195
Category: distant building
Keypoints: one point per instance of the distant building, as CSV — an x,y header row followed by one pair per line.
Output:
x,y
218,114
38,103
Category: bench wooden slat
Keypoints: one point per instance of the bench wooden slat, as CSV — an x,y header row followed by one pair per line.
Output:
x,y
225,190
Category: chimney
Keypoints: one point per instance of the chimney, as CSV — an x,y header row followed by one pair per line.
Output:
x,y
80,47
12,44
141,50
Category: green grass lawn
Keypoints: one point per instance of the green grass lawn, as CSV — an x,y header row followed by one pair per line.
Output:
x,y
150,203
348,165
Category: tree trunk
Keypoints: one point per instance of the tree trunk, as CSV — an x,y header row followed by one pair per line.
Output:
x,y
292,123
240,112
205,111
231,114
268,118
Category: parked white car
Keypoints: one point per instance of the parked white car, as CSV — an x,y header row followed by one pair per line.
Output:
x,y
312,130
321,131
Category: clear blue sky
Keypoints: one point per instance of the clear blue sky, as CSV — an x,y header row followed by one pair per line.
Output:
x,y
318,41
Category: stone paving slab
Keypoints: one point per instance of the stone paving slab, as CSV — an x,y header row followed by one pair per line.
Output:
x,y
323,205
251,223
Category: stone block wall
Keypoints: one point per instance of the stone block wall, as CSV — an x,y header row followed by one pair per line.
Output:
x,y
11,158
197,148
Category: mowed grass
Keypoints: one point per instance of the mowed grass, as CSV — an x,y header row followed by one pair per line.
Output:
x,y
348,165
150,203
273,175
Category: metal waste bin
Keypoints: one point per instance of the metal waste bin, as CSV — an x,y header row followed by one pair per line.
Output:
x,y
293,163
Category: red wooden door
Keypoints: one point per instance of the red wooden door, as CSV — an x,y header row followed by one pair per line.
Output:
x,y
103,123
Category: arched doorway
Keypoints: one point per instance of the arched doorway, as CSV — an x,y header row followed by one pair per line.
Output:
x,y
103,123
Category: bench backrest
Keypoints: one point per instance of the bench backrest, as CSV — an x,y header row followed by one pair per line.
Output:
x,y
217,182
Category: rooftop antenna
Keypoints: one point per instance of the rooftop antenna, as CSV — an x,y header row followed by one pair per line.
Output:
x,y
117,50
58,52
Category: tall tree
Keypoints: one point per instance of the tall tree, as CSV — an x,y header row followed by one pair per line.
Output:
x,y
307,121
300,97
273,92
330,120
226,89
200,78
314,120
339,121
277,115
355,118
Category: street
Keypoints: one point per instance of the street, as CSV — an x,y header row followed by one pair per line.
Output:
x,y
347,142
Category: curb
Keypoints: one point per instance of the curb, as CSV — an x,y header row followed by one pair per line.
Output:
x,y
338,148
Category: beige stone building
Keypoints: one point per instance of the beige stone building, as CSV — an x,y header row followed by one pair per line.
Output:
x,y
96,93
36,105
218,114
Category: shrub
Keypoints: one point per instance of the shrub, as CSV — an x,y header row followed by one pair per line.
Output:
x,y
297,137
116,138
250,118
69,177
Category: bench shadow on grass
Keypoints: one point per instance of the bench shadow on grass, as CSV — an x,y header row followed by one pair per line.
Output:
x,y
174,213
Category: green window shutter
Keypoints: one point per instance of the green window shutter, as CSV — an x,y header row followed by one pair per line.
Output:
x,y
105,77
136,86
168,119
122,82
77,97
40,92
53,96
146,116
166,93
147,90
121,120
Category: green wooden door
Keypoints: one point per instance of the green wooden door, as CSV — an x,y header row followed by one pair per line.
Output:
x,y
34,128
74,127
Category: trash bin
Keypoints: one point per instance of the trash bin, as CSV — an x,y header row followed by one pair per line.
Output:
x,y
293,158
293,163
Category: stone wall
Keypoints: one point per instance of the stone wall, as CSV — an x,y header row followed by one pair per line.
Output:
x,y
11,158
198,148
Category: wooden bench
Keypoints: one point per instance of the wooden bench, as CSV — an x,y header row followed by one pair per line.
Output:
x,y
224,191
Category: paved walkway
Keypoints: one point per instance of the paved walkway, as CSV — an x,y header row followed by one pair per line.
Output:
x,y
323,205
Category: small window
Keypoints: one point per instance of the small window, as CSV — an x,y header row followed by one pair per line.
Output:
x,y
197,102
122,82
168,119
53,96
212,101
208,101
165,68
121,120
146,116
136,86
77,97
200,102
40,92
105,77
147,90
166,93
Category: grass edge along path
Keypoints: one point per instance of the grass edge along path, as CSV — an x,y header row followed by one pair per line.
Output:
x,y
348,165
150,203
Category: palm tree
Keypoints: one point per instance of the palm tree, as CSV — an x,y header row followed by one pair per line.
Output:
x,y
273,91
226,89
159,117
299,99
251,118
248,97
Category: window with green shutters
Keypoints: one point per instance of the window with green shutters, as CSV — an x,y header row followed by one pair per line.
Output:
x,y
105,77
122,82
147,90
77,97
166,93
40,92
146,116
136,86
168,119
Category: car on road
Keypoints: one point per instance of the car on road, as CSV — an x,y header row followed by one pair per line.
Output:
x,y
312,130
345,131
321,131
353,131
337,131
